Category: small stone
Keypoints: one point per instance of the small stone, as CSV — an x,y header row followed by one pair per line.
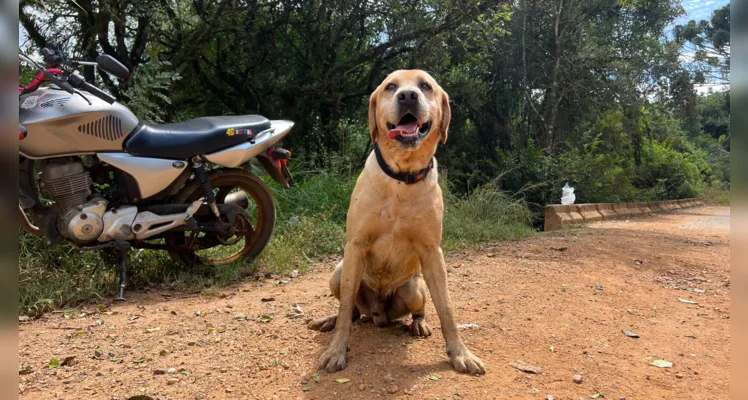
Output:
x,y
229,390
171,371
223,370
577,379
101,373
200,396
159,372
679,375
550,397
172,381
388,378
190,343
393,389
361,387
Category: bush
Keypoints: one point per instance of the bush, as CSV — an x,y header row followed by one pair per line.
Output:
x,y
486,215
718,193
677,172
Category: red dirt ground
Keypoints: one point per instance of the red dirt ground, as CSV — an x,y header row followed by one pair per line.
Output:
x,y
558,301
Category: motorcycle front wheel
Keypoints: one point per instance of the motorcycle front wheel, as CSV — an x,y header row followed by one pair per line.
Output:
x,y
252,234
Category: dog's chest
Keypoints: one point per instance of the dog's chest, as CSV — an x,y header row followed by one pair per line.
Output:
x,y
393,257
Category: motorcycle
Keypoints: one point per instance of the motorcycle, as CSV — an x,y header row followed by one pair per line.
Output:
x,y
93,175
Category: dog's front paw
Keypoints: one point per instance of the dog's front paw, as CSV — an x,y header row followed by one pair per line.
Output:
x,y
335,358
465,362
323,324
419,327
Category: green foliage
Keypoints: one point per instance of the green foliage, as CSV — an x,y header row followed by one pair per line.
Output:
x,y
677,172
709,42
147,97
486,215
718,193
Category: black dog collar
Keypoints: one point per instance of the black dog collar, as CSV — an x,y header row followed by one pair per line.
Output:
x,y
408,177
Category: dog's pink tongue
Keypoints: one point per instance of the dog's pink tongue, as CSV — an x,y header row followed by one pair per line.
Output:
x,y
408,129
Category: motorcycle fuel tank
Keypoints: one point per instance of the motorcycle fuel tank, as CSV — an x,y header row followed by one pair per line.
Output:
x,y
59,123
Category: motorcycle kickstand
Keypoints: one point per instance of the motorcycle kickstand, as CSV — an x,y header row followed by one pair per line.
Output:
x,y
122,248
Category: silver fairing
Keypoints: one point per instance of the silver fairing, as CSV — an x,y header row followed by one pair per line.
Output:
x,y
59,123
235,156
152,174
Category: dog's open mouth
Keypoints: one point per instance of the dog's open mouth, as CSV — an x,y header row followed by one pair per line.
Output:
x,y
408,129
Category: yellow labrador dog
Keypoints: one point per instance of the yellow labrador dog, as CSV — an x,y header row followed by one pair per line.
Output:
x,y
394,225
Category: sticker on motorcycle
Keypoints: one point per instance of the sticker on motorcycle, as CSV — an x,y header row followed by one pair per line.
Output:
x,y
30,102
233,132
51,103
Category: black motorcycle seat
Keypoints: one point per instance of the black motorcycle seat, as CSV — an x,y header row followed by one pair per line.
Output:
x,y
189,138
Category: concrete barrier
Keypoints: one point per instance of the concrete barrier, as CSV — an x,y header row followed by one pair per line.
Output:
x,y
589,212
621,209
606,210
557,216
634,208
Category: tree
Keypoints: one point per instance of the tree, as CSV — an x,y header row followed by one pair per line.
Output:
x,y
707,46
118,28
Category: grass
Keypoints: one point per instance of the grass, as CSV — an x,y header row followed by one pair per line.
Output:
x,y
310,224
718,193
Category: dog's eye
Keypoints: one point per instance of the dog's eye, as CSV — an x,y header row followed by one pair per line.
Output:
x,y
391,87
425,86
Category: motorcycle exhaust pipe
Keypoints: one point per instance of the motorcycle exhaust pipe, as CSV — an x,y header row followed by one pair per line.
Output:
x,y
27,225
237,198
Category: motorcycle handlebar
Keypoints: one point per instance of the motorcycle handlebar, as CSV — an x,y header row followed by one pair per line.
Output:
x,y
77,81
97,92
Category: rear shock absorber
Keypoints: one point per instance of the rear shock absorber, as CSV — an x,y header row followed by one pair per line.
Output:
x,y
202,177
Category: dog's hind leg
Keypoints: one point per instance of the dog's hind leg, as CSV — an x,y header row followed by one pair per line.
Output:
x,y
411,299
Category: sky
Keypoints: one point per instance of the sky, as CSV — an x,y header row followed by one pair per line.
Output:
x,y
699,9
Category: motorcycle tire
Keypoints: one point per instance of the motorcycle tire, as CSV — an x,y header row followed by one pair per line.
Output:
x,y
262,230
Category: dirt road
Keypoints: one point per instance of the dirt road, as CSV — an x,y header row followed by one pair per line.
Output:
x,y
557,301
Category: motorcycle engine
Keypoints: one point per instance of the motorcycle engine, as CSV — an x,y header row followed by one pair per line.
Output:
x,y
68,183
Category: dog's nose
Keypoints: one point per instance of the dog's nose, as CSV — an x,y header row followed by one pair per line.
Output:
x,y
407,97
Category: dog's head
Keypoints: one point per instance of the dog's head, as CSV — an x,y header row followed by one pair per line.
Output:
x,y
409,112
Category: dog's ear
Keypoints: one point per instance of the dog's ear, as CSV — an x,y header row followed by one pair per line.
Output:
x,y
373,115
446,116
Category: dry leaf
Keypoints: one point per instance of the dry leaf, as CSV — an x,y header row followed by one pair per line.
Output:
x,y
525,367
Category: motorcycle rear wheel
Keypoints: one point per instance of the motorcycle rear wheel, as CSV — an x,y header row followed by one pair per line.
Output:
x,y
255,232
